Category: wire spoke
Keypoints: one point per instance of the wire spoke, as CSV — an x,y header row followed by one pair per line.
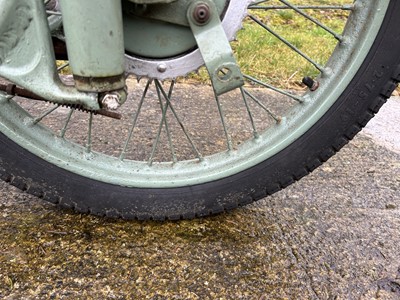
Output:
x,y
52,12
194,148
64,129
287,43
171,145
45,114
312,19
63,66
253,125
161,125
271,87
348,7
254,98
135,118
224,126
89,137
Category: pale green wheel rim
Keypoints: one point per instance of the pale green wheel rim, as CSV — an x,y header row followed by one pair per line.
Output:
x,y
342,67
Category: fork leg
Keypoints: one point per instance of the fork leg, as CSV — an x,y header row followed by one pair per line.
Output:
x,y
95,43
27,56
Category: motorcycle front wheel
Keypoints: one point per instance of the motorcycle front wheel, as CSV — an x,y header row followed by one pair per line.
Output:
x,y
179,151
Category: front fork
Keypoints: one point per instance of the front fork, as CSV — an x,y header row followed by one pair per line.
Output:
x,y
27,55
94,37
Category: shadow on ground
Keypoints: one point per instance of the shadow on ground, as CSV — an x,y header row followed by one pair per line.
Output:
x,y
333,235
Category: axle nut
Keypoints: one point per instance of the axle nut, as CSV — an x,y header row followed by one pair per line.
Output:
x,y
113,100
110,101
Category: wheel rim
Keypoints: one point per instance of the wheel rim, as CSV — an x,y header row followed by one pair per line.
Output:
x,y
30,133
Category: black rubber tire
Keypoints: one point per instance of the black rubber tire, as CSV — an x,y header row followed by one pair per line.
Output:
x,y
367,92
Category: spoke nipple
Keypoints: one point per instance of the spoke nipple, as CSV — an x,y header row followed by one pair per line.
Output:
x,y
312,84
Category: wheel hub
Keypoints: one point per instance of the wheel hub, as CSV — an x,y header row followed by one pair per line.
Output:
x,y
165,48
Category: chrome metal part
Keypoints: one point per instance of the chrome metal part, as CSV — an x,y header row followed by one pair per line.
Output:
x,y
113,100
110,101
191,61
26,51
162,68
217,53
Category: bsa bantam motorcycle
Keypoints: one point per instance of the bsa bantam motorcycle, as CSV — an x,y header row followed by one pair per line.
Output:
x,y
151,109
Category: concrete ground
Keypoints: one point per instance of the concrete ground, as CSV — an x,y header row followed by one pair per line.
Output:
x,y
333,235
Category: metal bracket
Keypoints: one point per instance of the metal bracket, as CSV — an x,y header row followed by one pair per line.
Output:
x,y
27,56
214,46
